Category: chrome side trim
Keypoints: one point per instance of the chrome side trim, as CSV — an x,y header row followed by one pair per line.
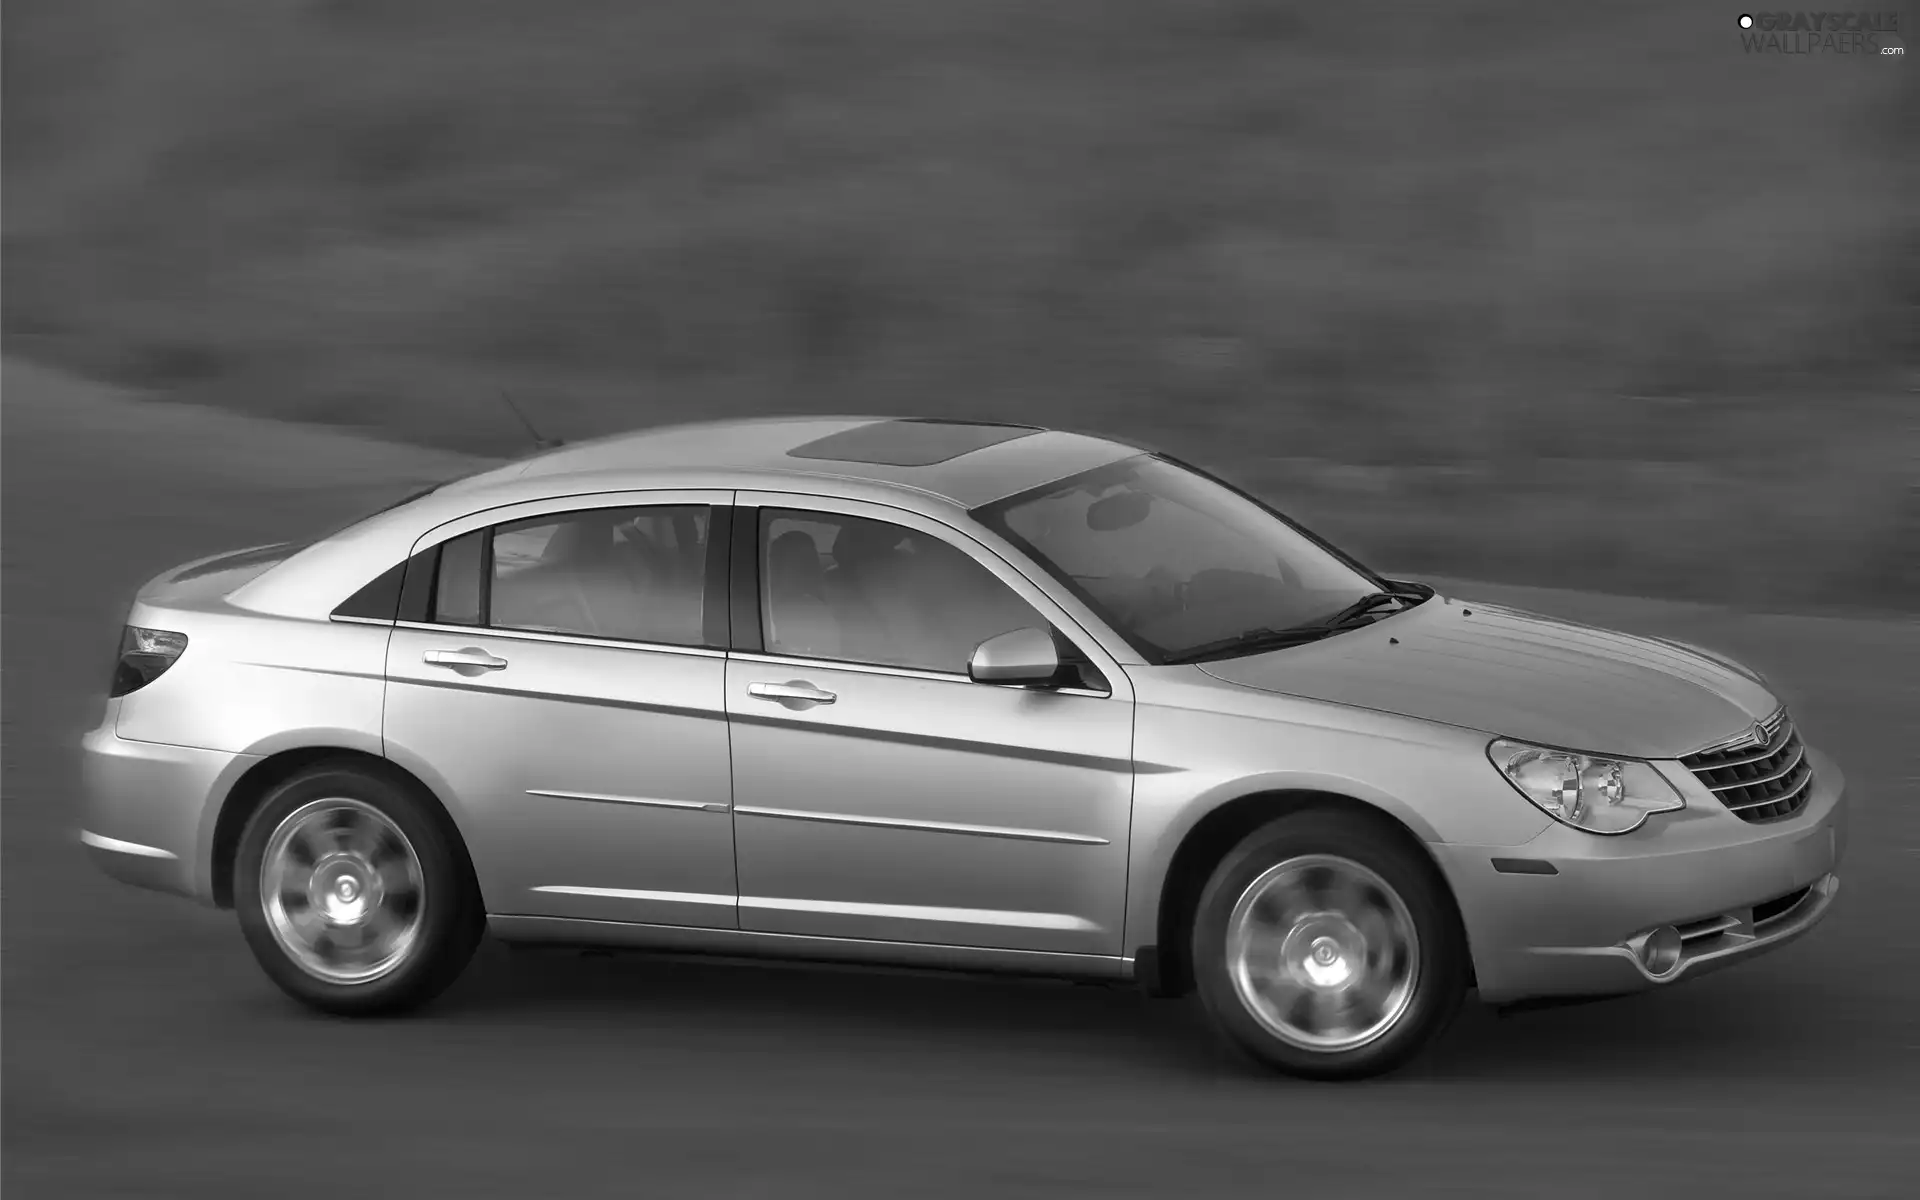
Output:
x,y
100,841
362,621
644,801
992,831
690,939
636,894
562,639
920,912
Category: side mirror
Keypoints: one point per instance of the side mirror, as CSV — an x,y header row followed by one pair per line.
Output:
x,y
1017,656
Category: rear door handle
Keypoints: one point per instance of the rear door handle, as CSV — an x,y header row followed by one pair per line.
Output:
x,y
471,656
796,693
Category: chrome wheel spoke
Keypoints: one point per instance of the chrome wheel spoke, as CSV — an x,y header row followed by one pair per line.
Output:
x,y
1323,952
342,890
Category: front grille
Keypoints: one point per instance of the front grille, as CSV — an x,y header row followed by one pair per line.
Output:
x,y
1759,783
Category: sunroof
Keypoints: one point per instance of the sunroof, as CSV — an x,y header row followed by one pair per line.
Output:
x,y
909,441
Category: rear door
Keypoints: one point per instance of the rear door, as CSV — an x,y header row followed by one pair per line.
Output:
x,y
559,669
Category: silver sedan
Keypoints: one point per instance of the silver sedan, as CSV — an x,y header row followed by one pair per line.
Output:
x,y
938,693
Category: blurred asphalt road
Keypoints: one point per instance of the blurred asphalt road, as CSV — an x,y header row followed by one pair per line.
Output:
x,y
146,1056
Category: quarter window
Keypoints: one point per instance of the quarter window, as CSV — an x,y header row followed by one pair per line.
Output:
x,y
865,591
456,589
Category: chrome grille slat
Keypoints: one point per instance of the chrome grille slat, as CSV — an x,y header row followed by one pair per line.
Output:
x,y
1758,784
1797,789
1799,756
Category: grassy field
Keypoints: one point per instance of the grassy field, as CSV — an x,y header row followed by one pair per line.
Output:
x,y
1575,295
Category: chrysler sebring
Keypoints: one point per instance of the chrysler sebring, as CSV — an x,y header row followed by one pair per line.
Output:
x,y
938,693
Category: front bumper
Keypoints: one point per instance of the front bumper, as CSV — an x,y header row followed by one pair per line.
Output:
x,y
147,809
1732,890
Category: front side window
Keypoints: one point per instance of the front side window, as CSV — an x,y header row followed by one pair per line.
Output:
x,y
1172,560
865,591
629,574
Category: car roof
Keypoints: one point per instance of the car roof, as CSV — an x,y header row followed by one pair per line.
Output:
x,y
965,463
931,466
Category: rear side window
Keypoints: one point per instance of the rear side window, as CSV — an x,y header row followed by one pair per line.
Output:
x,y
626,574
632,574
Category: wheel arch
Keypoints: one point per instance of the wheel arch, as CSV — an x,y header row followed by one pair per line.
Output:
x,y
253,787
1211,838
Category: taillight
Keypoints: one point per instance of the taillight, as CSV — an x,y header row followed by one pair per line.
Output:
x,y
145,655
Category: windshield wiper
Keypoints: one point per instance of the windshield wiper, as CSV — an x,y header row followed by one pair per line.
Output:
x,y
1254,641
1362,607
1251,641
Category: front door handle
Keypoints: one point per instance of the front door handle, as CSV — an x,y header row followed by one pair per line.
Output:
x,y
797,693
472,656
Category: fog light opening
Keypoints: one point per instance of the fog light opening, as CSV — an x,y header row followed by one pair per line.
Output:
x,y
1659,951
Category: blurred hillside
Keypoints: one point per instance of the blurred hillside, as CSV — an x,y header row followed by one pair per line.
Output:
x,y
1572,295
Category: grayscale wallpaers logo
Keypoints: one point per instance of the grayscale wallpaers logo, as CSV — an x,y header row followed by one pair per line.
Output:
x,y
1869,34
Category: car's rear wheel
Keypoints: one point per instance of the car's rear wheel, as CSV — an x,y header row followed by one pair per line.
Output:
x,y
1328,948
352,893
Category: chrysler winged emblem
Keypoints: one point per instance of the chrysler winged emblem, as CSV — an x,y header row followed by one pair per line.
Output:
x,y
1759,735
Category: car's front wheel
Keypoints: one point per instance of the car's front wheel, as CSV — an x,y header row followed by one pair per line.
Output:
x,y
352,894
1327,947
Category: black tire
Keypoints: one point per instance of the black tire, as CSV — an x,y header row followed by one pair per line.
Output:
x,y
440,900
1435,971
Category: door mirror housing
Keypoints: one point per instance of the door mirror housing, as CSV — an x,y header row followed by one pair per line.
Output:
x,y
1017,656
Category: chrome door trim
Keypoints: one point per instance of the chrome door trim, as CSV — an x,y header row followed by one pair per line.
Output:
x,y
605,893
757,944
926,912
565,639
517,510
859,668
840,664
992,831
643,801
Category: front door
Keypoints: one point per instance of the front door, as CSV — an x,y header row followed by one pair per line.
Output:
x,y
566,687
881,794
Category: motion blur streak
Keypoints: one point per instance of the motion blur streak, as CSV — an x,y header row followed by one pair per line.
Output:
x,y
145,1054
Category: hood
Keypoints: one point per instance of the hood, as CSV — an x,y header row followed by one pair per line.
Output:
x,y
1520,675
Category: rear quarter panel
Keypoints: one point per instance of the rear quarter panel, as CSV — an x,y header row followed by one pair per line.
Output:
x,y
250,684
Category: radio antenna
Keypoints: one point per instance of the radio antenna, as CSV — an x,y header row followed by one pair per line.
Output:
x,y
539,443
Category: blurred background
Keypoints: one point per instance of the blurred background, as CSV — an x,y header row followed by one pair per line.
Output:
x,y
1580,303
1581,293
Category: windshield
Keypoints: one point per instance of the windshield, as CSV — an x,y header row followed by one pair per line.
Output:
x,y
1175,561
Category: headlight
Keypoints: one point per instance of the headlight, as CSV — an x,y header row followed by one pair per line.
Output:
x,y
1599,795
